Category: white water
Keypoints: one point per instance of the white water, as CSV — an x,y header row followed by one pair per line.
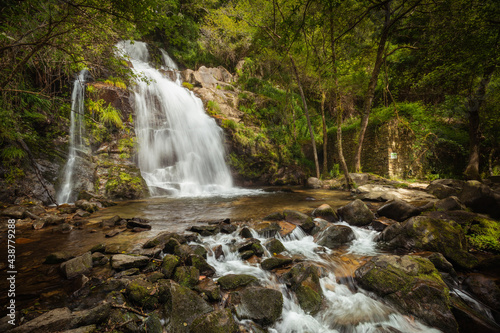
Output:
x,y
76,132
181,149
345,310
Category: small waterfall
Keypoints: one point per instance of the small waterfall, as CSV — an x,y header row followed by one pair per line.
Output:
x,y
345,309
181,148
76,132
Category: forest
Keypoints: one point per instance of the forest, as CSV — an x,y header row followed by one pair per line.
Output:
x,y
318,68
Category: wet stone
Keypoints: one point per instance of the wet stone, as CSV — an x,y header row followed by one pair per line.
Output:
x,y
124,261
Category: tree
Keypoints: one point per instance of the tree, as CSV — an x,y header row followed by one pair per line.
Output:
x,y
393,12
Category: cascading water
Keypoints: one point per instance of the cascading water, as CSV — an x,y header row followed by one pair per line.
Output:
x,y
76,143
344,310
181,149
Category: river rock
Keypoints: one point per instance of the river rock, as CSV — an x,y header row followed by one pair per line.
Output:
x,y
233,281
153,324
53,321
137,222
335,236
485,289
251,247
441,191
187,276
398,210
356,213
38,224
209,289
274,217
449,203
274,246
201,264
99,259
58,257
54,219
205,230
480,198
182,305
300,219
326,212
426,233
122,262
87,205
163,238
382,223
313,182
76,266
303,279
15,212
413,285
262,305
215,322
142,293
275,262
469,319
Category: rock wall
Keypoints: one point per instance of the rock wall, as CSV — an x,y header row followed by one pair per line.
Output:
x,y
387,150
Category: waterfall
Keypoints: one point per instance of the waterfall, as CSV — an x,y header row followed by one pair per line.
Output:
x,y
76,132
181,149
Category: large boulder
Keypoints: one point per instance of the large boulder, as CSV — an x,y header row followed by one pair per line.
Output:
x,y
430,234
356,213
326,212
262,305
336,236
15,212
449,203
413,285
443,188
480,198
142,293
398,210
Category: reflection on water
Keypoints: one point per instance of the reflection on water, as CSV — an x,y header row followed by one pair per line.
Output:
x,y
176,214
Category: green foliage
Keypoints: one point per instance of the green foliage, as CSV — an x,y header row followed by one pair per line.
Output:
x,y
335,171
229,123
213,108
187,85
107,115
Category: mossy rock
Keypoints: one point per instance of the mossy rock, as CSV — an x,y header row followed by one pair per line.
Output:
x,y
168,265
153,324
209,289
126,183
336,236
356,213
220,321
413,285
201,264
187,276
309,299
430,234
300,219
326,212
262,305
275,246
233,281
182,305
142,293
274,262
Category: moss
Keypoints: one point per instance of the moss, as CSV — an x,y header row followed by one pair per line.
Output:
x,y
233,281
170,262
187,276
484,234
309,300
187,85
142,293
123,185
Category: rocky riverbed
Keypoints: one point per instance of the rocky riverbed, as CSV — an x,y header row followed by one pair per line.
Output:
x,y
377,266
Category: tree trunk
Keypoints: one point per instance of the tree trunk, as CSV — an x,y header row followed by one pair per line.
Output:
x,y
306,111
473,107
349,183
372,85
325,134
